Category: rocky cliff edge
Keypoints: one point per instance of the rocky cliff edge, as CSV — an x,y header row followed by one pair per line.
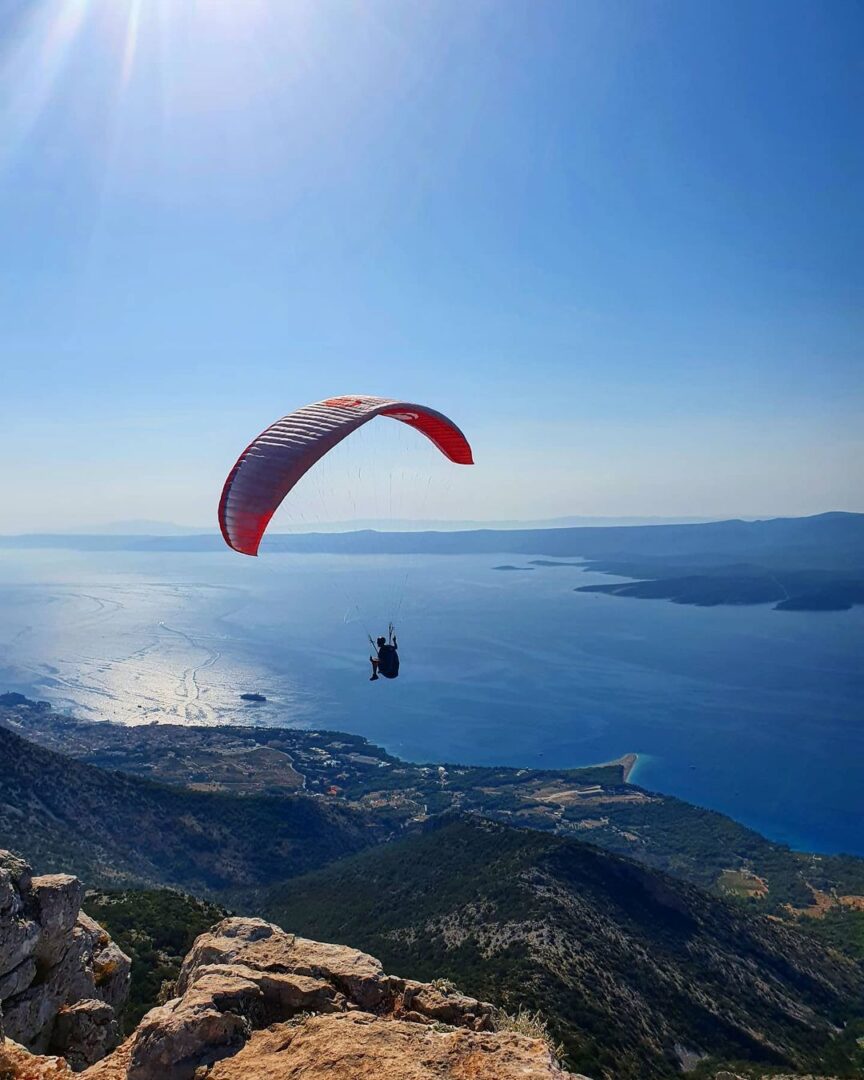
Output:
x,y
256,1002
252,1003
63,981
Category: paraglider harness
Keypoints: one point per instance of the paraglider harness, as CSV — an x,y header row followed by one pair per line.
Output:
x,y
387,655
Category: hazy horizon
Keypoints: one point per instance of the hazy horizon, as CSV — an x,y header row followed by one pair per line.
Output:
x,y
171,528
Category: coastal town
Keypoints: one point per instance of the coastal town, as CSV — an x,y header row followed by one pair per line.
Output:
x,y
331,765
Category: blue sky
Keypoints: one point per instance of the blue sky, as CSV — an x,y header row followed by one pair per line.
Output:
x,y
619,243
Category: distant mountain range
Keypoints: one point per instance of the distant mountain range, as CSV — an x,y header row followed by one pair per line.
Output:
x,y
811,563
835,535
145,527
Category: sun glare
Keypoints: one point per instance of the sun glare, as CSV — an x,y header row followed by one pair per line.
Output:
x,y
133,23
111,38
31,62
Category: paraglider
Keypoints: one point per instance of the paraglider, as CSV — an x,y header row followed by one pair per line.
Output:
x,y
386,659
273,463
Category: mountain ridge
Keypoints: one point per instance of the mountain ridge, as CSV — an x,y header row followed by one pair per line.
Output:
x,y
638,972
734,534
114,829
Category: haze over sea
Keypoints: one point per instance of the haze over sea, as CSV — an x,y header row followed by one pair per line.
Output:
x,y
746,710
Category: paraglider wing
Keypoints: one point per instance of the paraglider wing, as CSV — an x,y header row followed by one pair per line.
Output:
x,y
273,463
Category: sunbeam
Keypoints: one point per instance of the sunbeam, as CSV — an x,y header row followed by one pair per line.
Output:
x,y
133,22
30,67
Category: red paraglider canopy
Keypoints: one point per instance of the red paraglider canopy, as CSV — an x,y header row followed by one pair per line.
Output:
x,y
273,463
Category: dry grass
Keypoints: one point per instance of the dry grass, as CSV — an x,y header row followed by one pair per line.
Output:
x,y
531,1024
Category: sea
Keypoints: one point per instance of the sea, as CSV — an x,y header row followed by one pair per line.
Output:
x,y
750,711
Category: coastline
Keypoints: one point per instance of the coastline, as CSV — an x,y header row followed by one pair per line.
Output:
x,y
628,763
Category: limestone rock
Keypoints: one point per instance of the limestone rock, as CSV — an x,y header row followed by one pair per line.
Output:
x,y
10,896
281,994
360,1046
56,900
213,1019
84,1032
28,1018
19,937
29,1015
263,946
17,1062
255,1001
16,871
62,978
115,1066
357,974
18,979
455,1008
109,964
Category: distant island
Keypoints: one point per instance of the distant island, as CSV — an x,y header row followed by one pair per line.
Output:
x,y
796,591
507,566
831,541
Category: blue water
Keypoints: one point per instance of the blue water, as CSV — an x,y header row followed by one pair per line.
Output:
x,y
750,711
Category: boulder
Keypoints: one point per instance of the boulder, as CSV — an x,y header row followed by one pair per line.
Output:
x,y
84,1032
55,900
281,994
109,965
261,945
212,1020
224,942
357,974
447,1008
